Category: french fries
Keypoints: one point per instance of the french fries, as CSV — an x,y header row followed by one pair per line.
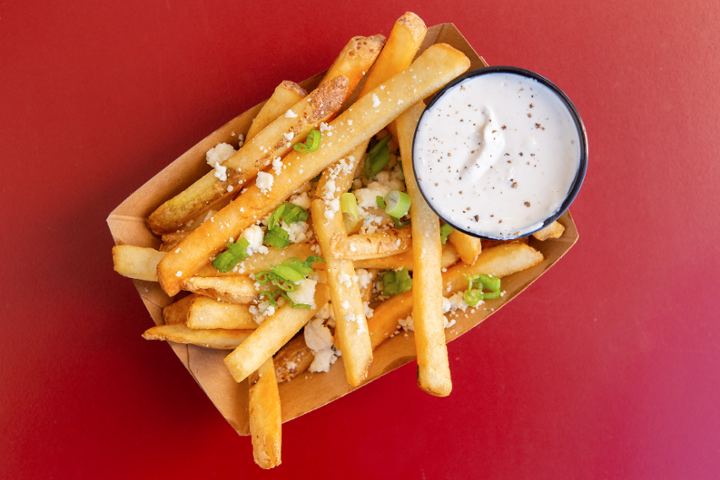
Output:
x,y
467,246
554,230
235,289
136,262
204,313
270,336
235,309
432,358
217,339
275,140
284,97
351,324
436,66
405,260
265,417
380,244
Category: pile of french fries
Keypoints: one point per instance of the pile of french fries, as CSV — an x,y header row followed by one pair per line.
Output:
x,y
227,310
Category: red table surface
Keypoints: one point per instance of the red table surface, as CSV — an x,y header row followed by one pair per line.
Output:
x,y
608,367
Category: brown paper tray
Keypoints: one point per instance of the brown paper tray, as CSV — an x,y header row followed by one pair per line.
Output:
x,y
309,391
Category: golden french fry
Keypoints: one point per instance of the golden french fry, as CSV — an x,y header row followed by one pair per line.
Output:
x,y
139,263
217,339
554,230
436,66
275,140
284,97
371,245
257,263
405,260
354,60
271,335
432,357
171,240
468,247
264,415
205,313
177,312
230,289
500,261
350,322
293,359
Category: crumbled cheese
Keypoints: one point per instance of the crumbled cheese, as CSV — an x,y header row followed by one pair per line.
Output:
x,y
304,293
345,279
230,188
254,235
264,310
289,136
178,274
220,172
264,182
302,200
324,127
407,324
298,231
364,278
219,153
333,206
290,114
241,140
369,312
345,305
350,121
277,165
376,101
319,339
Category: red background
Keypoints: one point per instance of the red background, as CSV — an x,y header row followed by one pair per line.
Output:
x,y
606,368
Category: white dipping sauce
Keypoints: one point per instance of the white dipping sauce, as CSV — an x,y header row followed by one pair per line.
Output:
x,y
497,154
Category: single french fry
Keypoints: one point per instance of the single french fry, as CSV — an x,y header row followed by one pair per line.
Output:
x,y
468,247
139,263
271,335
354,60
372,245
405,260
284,97
275,140
500,261
350,322
432,357
264,415
257,263
437,65
554,230
205,313
217,339
234,289
177,312
293,359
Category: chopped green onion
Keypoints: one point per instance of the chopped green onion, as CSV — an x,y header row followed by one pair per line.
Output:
x,y
277,237
312,142
236,253
400,224
444,232
271,299
377,157
380,202
396,282
294,213
287,272
349,209
476,283
266,275
397,203
275,217
293,304
270,296
313,259
298,266
289,212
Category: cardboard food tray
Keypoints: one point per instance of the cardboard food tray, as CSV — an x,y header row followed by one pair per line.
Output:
x,y
308,391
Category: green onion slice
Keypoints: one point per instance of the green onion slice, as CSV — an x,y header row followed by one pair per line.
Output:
x,y
289,212
397,203
277,237
444,232
266,275
271,299
377,157
312,142
236,253
476,283
349,209
395,282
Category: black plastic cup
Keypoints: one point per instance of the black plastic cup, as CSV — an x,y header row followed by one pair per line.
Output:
x,y
582,135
